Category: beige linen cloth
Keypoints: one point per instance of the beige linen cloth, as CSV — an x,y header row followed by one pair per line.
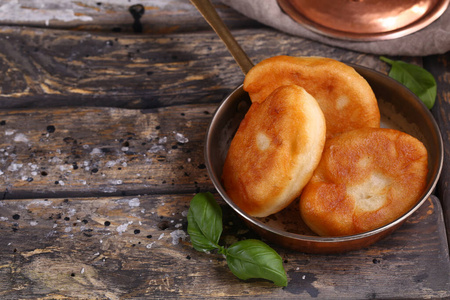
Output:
x,y
433,39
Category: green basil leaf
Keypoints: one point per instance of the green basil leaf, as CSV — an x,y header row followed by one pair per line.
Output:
x,y
255,259
204,222
417,79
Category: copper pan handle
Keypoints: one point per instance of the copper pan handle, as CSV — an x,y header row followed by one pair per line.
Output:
x,y
209,13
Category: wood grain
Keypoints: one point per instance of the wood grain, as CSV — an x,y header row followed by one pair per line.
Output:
x,y
128,247
439,66
159,17
55,68
103,151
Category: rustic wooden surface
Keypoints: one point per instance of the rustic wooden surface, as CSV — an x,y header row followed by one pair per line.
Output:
x,y
103,151
102,131
126,247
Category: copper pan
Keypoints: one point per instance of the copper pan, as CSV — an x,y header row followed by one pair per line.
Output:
x,y
365,20
400,109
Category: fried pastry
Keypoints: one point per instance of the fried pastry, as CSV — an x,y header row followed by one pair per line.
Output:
x,y
275,151
366,178
344,96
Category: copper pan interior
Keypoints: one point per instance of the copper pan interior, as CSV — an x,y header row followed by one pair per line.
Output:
x,y
400,109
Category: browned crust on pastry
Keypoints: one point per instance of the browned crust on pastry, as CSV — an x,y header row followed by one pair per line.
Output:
x,y
275,151
344,96
366,178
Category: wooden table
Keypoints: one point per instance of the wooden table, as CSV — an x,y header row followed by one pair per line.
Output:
x,y
102,126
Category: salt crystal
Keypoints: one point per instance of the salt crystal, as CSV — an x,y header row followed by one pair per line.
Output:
x,y
71,212
125,149
122,228
96,151
33,223
20,137
150,245
68,229
14,167
134,202
110,164
162,140
9,132
3,218
156,148
177,235
56,160
82,271
181,138
161,236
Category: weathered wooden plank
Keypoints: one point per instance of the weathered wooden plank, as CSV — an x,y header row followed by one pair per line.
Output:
x,y
48,68
115,16
439,66
137,247
98,151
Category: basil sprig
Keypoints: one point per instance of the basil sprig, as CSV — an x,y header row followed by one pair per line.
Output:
x,y
417,79
247,258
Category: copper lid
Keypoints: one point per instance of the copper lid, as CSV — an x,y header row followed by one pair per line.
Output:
x,y
364,19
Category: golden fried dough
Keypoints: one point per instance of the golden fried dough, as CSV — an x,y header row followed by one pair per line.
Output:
x,y
275,151
366,178
344,96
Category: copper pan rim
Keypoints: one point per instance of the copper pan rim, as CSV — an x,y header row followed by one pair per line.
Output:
x,y
214,158
291,8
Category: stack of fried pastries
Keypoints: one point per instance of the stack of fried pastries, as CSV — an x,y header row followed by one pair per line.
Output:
x,y
361,178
